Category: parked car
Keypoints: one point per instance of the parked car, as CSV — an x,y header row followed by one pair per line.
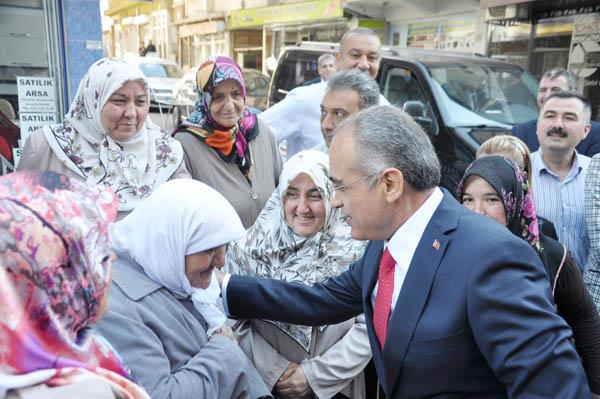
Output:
x,y
162,75
184,93
461,100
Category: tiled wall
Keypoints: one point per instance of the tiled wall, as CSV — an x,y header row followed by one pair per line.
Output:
x,y
83,37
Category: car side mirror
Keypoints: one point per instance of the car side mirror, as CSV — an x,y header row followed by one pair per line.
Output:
x,y
417,110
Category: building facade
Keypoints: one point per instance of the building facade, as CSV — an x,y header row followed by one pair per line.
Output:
x,y
44,43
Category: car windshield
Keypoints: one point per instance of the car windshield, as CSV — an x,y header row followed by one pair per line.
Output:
x,y
476,94
152,70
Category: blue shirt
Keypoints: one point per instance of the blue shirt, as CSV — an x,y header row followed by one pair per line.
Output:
x,y
562,202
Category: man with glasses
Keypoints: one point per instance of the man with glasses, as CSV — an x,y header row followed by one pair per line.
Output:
x,y
456,306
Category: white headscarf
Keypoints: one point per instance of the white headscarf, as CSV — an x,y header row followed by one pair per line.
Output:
x,y
181,217
270,248
131,168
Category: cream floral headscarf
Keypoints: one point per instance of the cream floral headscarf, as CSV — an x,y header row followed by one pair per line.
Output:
x,y
271,249
132,168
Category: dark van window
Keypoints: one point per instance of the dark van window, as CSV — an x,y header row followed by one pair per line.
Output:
x,y
295,69
401,86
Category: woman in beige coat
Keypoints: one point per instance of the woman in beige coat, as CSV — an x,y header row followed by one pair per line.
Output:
x,y
300,237
225,145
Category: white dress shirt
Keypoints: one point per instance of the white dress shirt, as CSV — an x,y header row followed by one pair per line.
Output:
x,y
297,118
402,246
404,242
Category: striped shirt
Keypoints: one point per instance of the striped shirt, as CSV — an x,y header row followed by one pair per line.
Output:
x,y
562,202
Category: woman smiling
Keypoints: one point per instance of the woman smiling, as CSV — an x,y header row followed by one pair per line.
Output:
x,y
496,187
300,237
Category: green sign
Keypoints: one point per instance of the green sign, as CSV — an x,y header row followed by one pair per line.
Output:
x,y
298,12
378,25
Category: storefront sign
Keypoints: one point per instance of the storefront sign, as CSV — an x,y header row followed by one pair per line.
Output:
x,y
298,12
377,25
500,3
457,34
29,123
16,157
201,28
36,94
584,58
565,12
37,103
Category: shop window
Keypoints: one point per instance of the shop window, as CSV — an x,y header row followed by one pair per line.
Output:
x,y
295,69
509,41
551,45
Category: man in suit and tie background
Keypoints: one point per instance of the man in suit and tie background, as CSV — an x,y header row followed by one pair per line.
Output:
x,y
456,306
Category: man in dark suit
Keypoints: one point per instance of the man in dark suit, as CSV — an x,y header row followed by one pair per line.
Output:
x,y
553,80
457,308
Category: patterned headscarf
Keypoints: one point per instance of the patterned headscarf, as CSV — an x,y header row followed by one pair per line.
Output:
x,y
54,275
271,249
231,142
131,168
510,183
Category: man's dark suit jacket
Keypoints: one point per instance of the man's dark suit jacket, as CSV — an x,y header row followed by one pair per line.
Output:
x,y
474,317
588,146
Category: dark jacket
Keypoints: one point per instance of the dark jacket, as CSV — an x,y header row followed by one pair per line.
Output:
x,y
575,305
589,146
474,317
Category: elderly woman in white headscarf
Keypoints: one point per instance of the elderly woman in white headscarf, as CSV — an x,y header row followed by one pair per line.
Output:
x,y
299,237
163,315
108,138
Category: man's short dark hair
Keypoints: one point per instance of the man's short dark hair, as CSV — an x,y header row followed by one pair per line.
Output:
x,y
587,107
355,80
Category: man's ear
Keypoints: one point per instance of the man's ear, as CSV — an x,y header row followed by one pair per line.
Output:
x,y
586,130
337,61
392,181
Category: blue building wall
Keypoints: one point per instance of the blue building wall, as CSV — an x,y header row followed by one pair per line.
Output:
x,y
83,40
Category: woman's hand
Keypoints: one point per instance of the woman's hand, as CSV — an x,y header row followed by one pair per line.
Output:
x,y
226,332
293,383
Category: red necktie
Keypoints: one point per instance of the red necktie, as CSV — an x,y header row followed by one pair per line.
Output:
x,y
383,299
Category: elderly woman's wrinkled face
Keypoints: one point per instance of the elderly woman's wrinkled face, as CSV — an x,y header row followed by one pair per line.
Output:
x,y
479,196
125,111
303,206
199,266
227,103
